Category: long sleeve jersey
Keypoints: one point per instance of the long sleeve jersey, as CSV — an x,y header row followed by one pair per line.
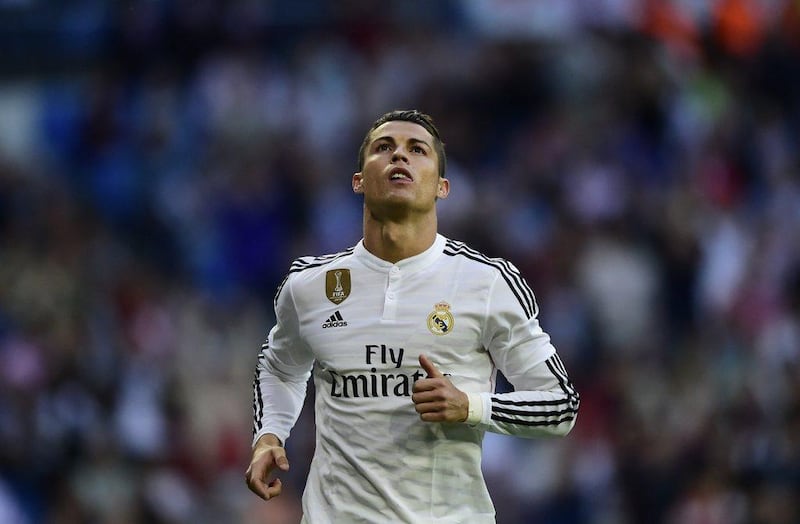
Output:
x,y
358,324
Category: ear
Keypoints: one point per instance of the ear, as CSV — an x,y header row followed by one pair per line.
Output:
x,y
358,181
444,188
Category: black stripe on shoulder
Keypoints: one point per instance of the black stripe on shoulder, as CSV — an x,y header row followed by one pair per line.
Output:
x,y
512,276
303,263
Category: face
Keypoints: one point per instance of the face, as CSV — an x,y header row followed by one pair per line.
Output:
x,y
401,170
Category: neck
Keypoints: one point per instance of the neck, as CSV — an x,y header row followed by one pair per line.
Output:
x,y
396,240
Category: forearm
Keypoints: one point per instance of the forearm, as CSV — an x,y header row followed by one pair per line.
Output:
x,y
528,413
544,404
278,400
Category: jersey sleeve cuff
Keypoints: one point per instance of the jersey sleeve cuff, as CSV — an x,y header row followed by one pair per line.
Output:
x,y
264,431
476,409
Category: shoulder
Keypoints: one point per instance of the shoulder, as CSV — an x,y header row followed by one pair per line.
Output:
x,y
306,268
495,265
308,265
500,269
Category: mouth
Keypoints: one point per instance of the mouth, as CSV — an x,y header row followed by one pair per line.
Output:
x,y
400,174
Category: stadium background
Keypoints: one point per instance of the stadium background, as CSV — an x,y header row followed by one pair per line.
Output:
x,y
161,163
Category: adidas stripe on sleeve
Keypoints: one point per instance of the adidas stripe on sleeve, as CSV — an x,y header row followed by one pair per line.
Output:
x,y
282,371
544,401
549,411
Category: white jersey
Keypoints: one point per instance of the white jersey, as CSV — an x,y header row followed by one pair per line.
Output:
x,y
361,323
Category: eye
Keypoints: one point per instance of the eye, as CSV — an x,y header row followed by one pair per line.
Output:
x,y
383,146
418,149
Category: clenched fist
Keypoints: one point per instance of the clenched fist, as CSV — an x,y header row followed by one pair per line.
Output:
x,y
436,399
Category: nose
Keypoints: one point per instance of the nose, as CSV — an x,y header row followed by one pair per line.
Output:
x,y
399,154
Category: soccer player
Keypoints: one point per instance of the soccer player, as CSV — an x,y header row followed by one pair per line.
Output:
x,y
403,333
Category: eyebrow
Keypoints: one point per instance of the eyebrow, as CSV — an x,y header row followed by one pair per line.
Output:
x,y
411,140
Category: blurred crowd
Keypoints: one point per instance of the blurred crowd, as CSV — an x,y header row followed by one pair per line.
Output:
x,y
162,162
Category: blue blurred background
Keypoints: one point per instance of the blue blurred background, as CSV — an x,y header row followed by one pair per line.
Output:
x,y
163,161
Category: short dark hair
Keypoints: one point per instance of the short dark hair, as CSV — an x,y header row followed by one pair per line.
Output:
x,y
407,115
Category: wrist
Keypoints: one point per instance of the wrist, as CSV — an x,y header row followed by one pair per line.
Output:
x,y
268,440
475,409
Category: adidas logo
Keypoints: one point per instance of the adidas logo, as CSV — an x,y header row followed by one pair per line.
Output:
x,y
335,320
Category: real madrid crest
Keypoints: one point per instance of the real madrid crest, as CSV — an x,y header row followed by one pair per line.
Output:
x,y
337,285
441,321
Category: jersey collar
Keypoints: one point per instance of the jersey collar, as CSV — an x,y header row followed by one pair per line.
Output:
x,y
411,264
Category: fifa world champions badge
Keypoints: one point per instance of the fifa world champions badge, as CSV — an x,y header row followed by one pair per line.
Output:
x,y
337,285
441,321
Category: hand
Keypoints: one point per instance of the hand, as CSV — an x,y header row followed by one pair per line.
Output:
x,y
267,454
436,399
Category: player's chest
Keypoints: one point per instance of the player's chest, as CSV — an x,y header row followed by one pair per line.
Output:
x,y
386,321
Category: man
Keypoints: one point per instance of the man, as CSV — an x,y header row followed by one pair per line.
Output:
x,y
404,333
